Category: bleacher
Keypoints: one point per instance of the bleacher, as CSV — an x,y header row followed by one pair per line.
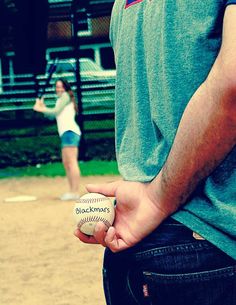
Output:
x,y
18,92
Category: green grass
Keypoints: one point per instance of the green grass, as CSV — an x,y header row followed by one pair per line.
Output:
x,y
88,168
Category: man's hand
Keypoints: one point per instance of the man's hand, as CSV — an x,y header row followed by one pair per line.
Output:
x,y
137,215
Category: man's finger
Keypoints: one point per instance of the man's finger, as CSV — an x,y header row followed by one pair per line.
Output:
x,y
85,238
107,189
114,243
100,233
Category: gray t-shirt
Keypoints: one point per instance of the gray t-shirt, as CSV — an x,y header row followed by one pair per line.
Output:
x,y
164,51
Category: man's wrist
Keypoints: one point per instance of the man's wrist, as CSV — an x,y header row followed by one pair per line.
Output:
x,y
159,195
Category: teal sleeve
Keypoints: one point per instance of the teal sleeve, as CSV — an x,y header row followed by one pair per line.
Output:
x,y
55,111
230,2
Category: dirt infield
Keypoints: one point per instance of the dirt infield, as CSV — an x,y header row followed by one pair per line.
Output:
x,y
41,262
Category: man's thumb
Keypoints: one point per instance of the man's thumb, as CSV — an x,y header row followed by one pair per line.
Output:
x,y
107,189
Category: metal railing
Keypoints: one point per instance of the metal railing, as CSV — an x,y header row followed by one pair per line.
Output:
x,y
33,139
97,97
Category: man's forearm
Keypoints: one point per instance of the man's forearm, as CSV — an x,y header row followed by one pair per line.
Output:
x,y
206,134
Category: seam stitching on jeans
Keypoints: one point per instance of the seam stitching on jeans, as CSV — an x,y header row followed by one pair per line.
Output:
x,y
130,289
194,276
173,248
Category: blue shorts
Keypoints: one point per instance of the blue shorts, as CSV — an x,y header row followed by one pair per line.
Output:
x,y
70,139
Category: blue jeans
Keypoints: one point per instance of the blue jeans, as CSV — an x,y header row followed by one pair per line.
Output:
x,y
170,267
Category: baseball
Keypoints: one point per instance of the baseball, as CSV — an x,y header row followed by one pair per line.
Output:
x,y
92,208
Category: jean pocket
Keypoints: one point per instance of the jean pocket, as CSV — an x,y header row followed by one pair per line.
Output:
x,y
125,290
214,287
106,287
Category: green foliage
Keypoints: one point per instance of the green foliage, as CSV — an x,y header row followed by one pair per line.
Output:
x,y
41,144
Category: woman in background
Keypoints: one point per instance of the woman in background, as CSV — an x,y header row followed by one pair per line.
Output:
x,y
64,111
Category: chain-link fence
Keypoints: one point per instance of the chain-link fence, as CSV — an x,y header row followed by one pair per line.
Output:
x,y
75,29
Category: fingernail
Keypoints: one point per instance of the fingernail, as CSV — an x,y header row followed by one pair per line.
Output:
x,y
99,226
96,229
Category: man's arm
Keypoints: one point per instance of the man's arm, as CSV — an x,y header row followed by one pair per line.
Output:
x,y
206,134
207,130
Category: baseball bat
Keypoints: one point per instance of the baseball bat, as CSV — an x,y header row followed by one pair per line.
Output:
x,y
50,72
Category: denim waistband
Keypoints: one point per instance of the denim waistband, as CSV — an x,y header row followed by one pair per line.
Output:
x,y
171,220
170,232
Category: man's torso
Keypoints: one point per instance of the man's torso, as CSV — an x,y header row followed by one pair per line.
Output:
x,y
164,50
